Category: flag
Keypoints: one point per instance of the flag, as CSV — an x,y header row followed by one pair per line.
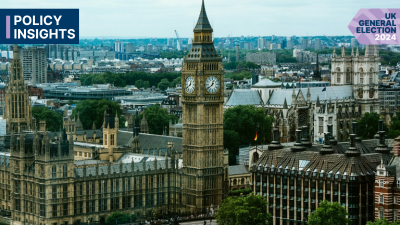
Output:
x,y
324,89
255,138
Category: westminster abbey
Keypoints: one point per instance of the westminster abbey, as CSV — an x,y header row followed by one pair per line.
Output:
x,y
75,175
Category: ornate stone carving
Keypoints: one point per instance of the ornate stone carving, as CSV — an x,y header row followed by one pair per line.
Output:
x,y
371,93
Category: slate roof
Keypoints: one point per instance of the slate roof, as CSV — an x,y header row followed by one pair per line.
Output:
x,y
267,83
312,163
123,165
202,22
238,170
244,97
152,141
89,133
334,92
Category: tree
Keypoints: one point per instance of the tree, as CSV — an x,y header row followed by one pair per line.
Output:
x,y
164,84
394,130
90,111
158,119
246,120
329,214
367,126
176,81
142,84
54,121
382,222
120,218
231,142
250,209
248,65
123,79
239,76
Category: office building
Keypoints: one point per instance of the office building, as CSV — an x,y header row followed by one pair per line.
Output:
x,y
149,48
262,57
317,44
129,47
304,44
247,45
34,64
289,44
118,46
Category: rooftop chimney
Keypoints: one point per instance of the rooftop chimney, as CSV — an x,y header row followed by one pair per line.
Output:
x,y
382,147
330,130
275,144
298,146
327,148
352,151
306,142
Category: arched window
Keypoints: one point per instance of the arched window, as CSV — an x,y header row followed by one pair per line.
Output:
x,y
398,183
234,182
65,171
54,171
242,181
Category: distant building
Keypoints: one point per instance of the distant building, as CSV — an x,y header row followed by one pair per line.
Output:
x,y
247,45
149,48
261,43
304,44
317,44
289,44
261,57
170,42
304,56
118,46
237,53
354,43
129,47
284,43
274,46
34,62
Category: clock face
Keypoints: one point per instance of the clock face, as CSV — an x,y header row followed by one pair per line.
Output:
x,y
212,84
189,84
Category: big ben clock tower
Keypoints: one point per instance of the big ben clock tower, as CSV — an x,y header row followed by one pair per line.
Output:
x,y
202,99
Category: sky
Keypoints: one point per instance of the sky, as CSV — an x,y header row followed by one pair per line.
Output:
x,y
159,18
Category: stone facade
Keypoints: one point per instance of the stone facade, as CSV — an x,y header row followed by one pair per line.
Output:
x,y
70,176
18,112
206,178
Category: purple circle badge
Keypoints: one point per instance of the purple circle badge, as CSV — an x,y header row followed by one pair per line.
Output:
x,y
376,26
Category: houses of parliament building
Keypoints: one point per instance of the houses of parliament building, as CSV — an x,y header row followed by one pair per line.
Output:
x,y
67,177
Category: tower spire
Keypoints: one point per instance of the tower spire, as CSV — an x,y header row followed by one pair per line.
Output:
x,y
203,23
15,52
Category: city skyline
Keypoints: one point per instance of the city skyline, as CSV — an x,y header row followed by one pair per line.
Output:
x,y
255,18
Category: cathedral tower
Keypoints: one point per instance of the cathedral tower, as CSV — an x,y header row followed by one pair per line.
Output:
x,y
360,71
202,99
17,110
